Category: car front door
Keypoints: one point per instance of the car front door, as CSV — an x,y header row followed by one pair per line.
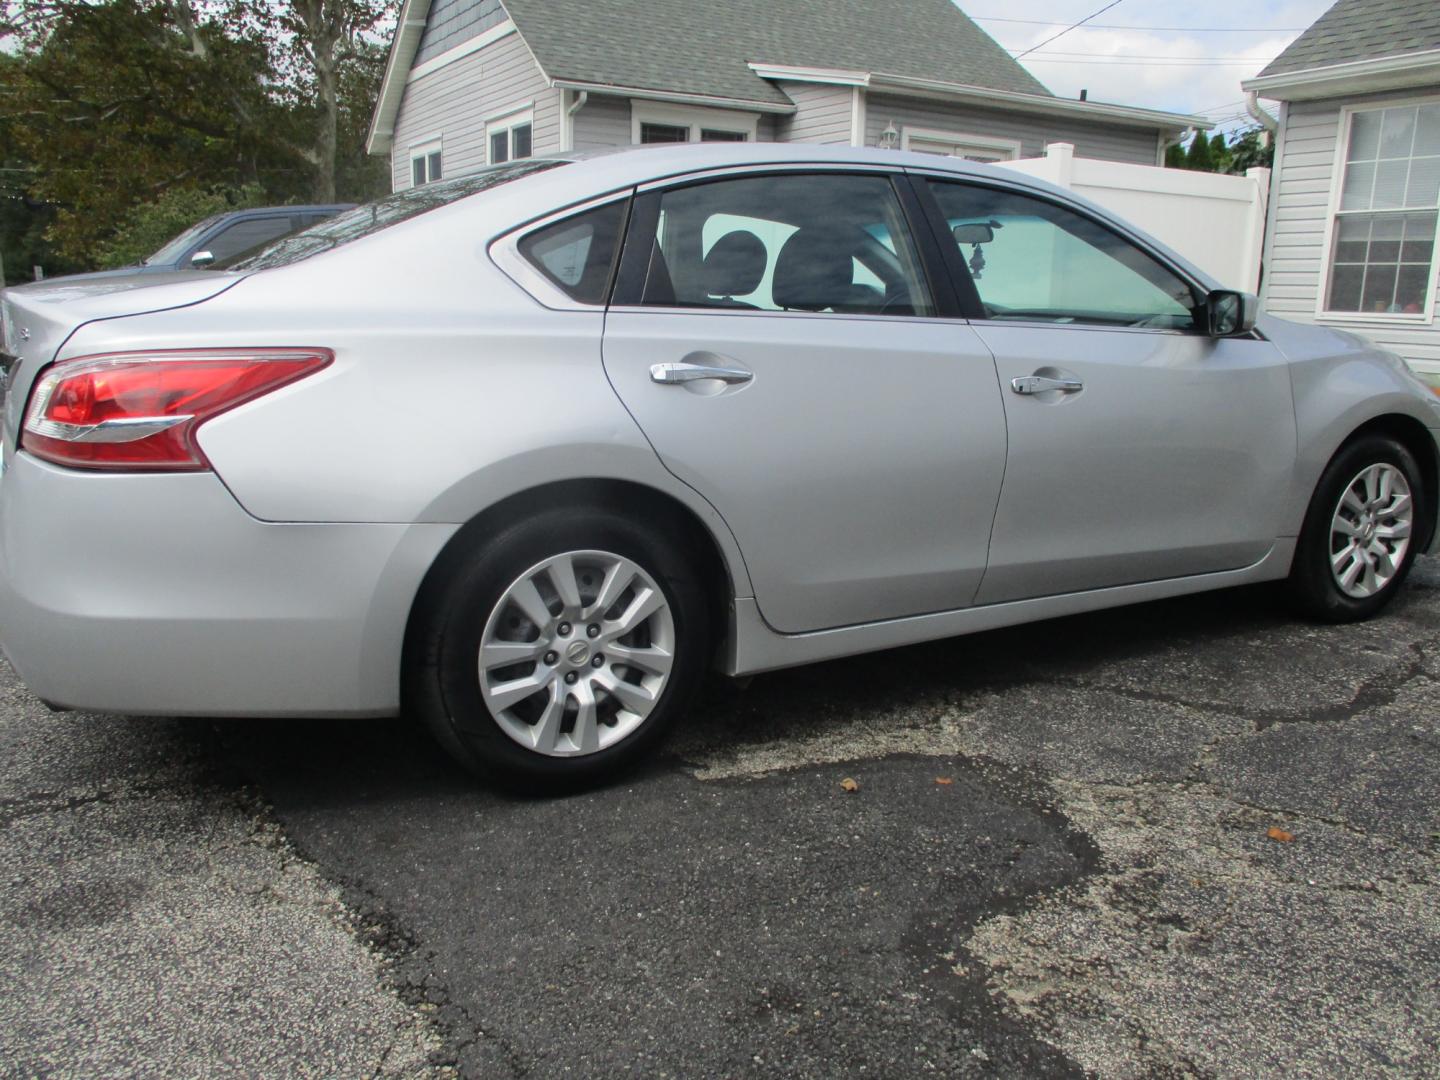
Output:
x,y
777,341
1141,448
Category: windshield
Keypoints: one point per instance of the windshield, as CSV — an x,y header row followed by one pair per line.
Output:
x,y
178,246
372,217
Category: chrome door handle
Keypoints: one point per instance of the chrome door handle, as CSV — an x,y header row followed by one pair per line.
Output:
x,y
683,373
1038,384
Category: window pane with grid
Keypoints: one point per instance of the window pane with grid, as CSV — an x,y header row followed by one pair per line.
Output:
x,y
1381,263
1382,252
717,135
499,147
1393,160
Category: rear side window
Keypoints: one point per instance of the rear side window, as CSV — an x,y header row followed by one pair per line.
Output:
x,y
578,253
832,243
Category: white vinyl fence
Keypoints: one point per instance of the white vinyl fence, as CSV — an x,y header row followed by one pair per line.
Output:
x,y
1217,222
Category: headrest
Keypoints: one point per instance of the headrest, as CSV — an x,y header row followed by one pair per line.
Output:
x,y
736,264
814,271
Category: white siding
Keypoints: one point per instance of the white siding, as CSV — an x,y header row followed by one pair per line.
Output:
x,y
822,114
454,101
1295,254
603,121
1138,146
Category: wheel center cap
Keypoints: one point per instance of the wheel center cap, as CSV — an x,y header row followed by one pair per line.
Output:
x,y
1367,533
577,652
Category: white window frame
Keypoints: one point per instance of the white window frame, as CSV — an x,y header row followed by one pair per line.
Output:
x,y
1424,317
695,117
1010,147
507,120
422,150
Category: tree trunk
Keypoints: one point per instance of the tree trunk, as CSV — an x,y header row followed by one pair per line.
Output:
x,y
325,139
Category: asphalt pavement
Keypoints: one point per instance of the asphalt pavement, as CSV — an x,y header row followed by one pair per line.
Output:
x,y
1196,837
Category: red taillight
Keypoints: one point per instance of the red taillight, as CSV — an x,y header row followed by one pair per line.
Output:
x,y
141,410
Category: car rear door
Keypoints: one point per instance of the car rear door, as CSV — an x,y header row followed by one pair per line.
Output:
x,y
776,339
1140,447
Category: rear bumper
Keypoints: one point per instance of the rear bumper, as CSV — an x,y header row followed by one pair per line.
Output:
x,y
161,595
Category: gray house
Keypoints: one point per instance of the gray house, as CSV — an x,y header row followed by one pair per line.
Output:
x,y
477,82
1352,235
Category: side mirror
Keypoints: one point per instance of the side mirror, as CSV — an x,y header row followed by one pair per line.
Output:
x,y
978,233
201,258
1230,313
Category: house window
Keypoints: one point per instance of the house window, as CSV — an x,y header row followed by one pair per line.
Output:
x,y
985,148
1382,254
652,122
425,163
511,136
663,133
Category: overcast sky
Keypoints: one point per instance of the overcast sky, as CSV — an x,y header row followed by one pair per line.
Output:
x,y
1125,57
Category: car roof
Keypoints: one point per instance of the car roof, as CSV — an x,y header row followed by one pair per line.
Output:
x,y
666,159
257,211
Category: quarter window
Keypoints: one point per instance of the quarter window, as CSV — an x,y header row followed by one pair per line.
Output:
x,y
1383,248
578,253
1033,260
832,243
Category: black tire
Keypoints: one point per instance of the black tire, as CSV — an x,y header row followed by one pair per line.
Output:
x,y
443,672
1312,586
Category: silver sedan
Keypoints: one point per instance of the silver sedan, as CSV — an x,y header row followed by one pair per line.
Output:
x,y
526,452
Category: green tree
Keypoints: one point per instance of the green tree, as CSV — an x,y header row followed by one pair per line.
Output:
x,y
1198,156
125,100
330,64
1219,153
1252,149
1175,156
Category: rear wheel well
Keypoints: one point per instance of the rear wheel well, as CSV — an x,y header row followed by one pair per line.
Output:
x,y
662,512
1416,438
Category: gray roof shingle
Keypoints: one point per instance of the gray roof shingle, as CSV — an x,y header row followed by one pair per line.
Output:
x,y
1362,30
702,46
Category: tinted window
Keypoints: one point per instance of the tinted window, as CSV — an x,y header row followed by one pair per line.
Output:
x,y
814,243
1030,259
182,243
244,235
577,254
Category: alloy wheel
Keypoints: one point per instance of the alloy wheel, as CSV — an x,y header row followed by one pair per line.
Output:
x,y
576,653
1370,530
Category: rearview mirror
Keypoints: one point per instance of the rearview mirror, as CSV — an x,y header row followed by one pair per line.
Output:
x,y
1231,313
201,258
978,233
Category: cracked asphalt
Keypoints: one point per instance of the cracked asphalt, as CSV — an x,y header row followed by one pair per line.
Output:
x,y
1059,862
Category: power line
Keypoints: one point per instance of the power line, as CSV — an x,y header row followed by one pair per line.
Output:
x,y
1067,29
1123,26
1168,61
1148,56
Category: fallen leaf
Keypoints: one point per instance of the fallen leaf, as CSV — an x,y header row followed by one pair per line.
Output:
x,y
849,784
1279,834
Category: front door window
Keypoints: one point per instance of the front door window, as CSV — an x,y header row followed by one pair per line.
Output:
x,y
1036,261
